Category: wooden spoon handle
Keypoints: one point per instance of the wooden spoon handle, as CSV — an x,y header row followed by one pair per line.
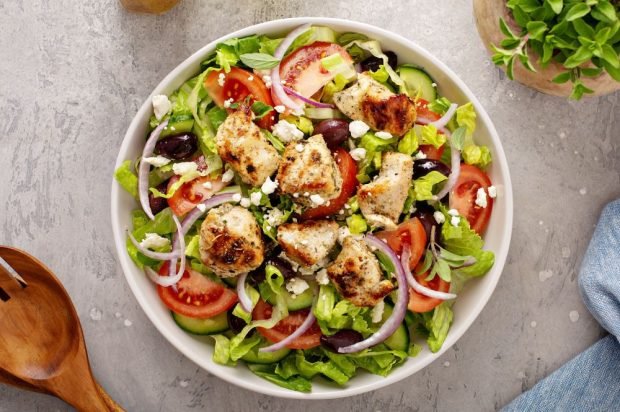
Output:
x,y
110,403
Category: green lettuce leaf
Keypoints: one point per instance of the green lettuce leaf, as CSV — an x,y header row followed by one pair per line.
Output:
x,y
438,325
429,135
295,383
126,178
221,350
309,369
408,144
423,186
472,154
162,225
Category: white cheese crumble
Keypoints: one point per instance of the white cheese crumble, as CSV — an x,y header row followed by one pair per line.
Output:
x,y
377,312
321,277
317,200
245,202
161,106
269,186
207,185
439,217
228,102
201,207
221,79
492,192
255,198
358,154
157,161
455,221
287,132
250,78
280,108
274,217
357,128
481,198
228,175
267,80
154,241
237,197
453,212
184,168
297,286
343,233
383,135
420,155
299,147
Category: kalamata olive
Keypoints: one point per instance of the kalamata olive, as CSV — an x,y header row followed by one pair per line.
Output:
x,y
373,63
258,275
340,339
158,203
178,147
424,212
425,166
334,131
236,324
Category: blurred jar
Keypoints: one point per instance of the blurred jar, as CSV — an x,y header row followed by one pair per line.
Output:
x,y
149,6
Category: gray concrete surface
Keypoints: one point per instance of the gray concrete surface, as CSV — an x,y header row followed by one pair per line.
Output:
x,y
73,75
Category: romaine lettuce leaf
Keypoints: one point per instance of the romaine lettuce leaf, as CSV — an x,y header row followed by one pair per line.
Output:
x,y
423,186
295,383
438,325
126,178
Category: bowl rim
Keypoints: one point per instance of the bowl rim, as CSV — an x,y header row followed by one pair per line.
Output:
x,y
455,333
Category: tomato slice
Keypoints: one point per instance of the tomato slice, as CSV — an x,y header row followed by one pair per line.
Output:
x,y
310,339
421,303
197,296
463,197
411,232
348,171
191,193
239,84
302,70
432,152
422,110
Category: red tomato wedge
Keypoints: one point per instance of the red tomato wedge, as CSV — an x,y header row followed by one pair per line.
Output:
x,y
411,232
237,85
463,197
302,70
191,193
310,339
348,171
421,303
422,110
197,296
431,151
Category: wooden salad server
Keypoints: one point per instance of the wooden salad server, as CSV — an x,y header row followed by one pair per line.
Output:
x,y
42,346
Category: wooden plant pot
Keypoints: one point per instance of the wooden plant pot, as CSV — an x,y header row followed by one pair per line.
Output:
x,y
487,14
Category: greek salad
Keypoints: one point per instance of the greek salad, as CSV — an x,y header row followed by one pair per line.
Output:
x,y
312,204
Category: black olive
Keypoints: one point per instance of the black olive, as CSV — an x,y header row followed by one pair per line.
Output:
x,y
425,166
178,147
341,339
334,131
373,63
158,203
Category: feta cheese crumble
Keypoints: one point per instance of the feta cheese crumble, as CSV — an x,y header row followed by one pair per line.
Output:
x,y
221,79
280,108
455,221
299,147
237,197
420,155
207,185
184,168
287,132
154,241
343,233
245,202
317,200
321,277
481,198
439,217
377,312
157,161
383,135
358,154
357,128
161,106
492,192
250,78
201,207
228,175
453,212
297,286
228,102
274,217
255,198
269,186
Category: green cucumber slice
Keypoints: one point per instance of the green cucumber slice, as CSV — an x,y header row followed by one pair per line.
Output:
x,y
254,356
418,82
399,340
293,302
210,326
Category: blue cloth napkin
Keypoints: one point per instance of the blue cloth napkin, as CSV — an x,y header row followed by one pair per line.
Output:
x,y
591,381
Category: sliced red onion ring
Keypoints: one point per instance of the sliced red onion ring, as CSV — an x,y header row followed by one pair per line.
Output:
x,y
422,290
443,121
174,275
290,338
143,170
276,84
244,299
153,255
455,164
400,308
304,99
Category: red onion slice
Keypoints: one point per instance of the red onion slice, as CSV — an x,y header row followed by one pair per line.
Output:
x,y
304,99
443,121
143,170
422,290
276,83
153,255
307,323
244,299
400,308
455,164
174,275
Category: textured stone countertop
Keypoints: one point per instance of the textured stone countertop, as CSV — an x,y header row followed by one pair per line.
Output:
x,y
73,76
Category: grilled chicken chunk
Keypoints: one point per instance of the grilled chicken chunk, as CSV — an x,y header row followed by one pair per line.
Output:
x,y
383,199
374,104
357,275
231,242
308,169
308,243
241,144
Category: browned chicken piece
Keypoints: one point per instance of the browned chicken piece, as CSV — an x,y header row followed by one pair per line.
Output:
x,y
357,275
231,241
241,144
382,200
308,243
377,106
309,173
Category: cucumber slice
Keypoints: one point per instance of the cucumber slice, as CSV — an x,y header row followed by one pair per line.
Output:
x,y
322,33
254,356
418,82
178,124
210,326
293,303
399,340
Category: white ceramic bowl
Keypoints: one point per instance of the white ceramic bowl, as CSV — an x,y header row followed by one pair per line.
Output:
x,y
468,305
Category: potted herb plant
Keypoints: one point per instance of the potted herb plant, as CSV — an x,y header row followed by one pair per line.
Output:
x,y
559,47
